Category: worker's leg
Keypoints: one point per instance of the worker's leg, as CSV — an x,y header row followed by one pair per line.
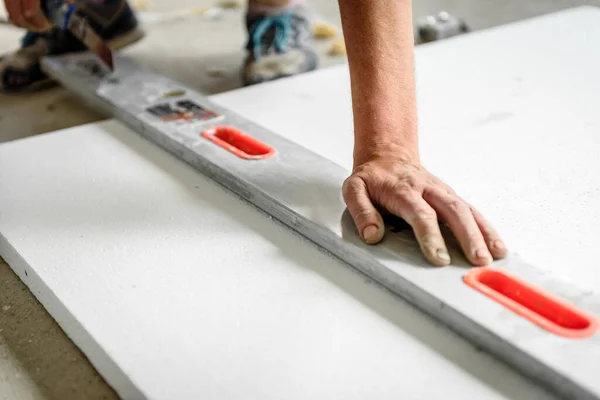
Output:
x,y
280,41
112,19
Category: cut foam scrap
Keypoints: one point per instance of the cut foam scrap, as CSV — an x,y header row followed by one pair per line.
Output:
x,y
324,30
338,47
213,13
140,5
231,3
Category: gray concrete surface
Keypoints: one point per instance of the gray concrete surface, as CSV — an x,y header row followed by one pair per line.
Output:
x,y
37,361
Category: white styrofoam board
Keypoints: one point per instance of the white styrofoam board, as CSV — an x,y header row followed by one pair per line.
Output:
x,y
176,289
294,98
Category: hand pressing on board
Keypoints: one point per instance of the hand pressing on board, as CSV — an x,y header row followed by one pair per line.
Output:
x,y
387,172
27,14
406,189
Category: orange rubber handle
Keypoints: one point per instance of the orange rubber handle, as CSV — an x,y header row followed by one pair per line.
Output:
x,y
237,142
540,307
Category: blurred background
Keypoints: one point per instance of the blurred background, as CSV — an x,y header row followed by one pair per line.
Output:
x,y
200,42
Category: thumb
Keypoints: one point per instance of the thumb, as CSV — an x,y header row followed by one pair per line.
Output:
x,y
366,217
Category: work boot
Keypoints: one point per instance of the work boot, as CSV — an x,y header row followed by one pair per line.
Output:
x,y
279,46
113,20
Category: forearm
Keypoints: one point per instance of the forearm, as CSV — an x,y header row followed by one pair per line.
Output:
x,y
379,39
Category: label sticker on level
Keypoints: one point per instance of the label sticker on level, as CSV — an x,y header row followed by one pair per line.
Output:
x,y
183,110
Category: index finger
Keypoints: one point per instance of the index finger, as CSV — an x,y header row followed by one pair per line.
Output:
x,y
13,8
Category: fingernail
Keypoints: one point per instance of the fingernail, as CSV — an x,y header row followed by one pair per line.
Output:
x,y
483,255
442,255
498,244
370,232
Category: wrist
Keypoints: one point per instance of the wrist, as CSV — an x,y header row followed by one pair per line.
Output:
x,y
385,126
386,148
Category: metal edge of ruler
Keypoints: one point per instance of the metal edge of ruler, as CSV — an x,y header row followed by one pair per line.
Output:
x,y
278,186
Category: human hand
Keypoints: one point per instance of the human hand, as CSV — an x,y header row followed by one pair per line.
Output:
x,y
27,14
406,189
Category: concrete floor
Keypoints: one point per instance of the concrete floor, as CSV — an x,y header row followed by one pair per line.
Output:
x,y
37,361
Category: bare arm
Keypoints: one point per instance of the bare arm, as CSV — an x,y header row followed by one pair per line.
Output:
x,y
387,174
379,38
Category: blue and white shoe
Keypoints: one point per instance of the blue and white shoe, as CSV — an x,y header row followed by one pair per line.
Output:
x,y
279,46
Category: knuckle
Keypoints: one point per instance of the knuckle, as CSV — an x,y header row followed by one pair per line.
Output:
x,y
457,206
363,217
352,186
408,180
403,189
432,240
423,215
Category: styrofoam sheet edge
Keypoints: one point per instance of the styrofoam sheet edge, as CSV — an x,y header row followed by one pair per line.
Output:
x,y
102,361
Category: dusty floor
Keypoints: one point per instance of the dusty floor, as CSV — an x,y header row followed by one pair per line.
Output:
x,y
37,361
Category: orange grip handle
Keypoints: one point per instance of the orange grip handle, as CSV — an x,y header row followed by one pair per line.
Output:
x,y
237,142
540,307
